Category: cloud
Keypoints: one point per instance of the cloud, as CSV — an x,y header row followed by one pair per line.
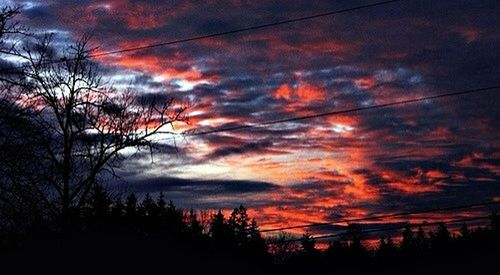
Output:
x,y
350,165
246,148
209,186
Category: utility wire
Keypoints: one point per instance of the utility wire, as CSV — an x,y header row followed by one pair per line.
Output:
x,y
393,215
424,224
250,28
345,111
233,31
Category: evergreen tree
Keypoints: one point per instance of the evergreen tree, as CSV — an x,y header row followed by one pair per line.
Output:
x,y
131,206
441,238
148,207
308,244
99,202
219,230
408,241
354,237
117,209
464,231
495,224
162,205
420,240
194,224
254,232
386,250
238,223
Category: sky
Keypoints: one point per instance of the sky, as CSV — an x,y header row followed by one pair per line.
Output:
x,y
431,154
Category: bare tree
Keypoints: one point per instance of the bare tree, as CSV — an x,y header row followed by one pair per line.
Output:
x,y
17,143
282,247
8,26
86,123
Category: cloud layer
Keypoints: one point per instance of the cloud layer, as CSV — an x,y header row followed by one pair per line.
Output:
x,y
431,153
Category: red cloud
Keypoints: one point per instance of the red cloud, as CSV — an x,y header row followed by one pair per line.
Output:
x,y
303,93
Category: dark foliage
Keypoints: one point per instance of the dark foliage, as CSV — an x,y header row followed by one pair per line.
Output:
x,y
151,232
141,231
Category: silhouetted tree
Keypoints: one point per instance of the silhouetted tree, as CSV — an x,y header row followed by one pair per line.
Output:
x,y
408,241
148,207
353,237
495,224
256,244
420,241
21,164
84,123
162,205
194,224
174,219
99,202
464,231
441,238
282,248
220,231
9,29
238,224
117,209
131,206
308,244
386,249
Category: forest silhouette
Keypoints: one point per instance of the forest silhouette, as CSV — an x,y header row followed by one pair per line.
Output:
x,y
152,232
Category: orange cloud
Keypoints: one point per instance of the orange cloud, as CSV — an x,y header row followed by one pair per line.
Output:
x,y
365,83
284,91
303,92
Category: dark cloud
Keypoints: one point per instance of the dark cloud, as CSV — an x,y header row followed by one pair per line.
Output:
x,y
204,187
207,194
246,148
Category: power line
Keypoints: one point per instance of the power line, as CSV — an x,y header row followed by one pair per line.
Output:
x,y
250,28
377,217
424,224
233,31
345,111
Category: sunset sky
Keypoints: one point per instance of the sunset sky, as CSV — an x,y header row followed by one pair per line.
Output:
x,y
431,154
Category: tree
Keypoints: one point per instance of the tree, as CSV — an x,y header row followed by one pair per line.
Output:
x,y
219,230
420,241
495,224
254,232
99,202
441,238
282,247
238,223
386,250
148,207
131,206
20,203
84,123
407,242
194,224
162,205
256,244
174,219
353,236
464,231
308,244
117,209
8,28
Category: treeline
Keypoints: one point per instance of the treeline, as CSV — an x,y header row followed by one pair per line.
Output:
x,y
415,251
153,231
149,230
